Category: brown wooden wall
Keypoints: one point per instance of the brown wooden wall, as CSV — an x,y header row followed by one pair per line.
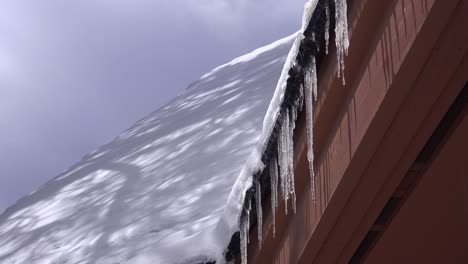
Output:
x,y
407,63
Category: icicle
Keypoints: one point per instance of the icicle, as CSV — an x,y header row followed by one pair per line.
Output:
x,y
284,162
291,176
274,190
243,237
288,154
281,163
244,233
301,98
327,28
341,35
293,117
308,94
249,208
317,47
259,212
314,78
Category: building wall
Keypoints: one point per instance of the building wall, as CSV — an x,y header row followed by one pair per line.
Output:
x,y
407,63
430,225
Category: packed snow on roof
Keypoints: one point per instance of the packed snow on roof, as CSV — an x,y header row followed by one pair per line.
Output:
x,y
157,192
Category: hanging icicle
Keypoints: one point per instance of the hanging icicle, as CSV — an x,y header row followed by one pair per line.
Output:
x,y
309,84
284,160
292,126
281,164
274,190
289,147
244,233
259,211
313,72
341,35
327,27
300,103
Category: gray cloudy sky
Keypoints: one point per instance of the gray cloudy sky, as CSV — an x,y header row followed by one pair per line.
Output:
x,y
75,73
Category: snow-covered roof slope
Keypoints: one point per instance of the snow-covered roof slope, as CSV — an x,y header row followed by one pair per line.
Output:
x,y
157,192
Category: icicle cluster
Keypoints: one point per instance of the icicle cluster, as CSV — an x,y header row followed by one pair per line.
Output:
x,y
281,167
286,157
341,35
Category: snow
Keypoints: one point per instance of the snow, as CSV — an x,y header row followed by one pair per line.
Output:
x,y
309,8
161,192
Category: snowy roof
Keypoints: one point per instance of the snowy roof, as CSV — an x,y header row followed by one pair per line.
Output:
x,y
157,193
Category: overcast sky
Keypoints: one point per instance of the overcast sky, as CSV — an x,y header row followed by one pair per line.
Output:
x,y
75,73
